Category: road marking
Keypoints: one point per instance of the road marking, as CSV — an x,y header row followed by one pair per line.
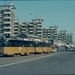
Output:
x,y
25,60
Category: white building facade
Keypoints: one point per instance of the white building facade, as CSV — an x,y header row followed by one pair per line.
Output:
x,y
7,20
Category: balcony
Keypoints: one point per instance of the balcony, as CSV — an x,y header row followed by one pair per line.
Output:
x,y
39,35
7,12
31,31
39,31
23,28
39,24
7,22
49,33
15,27
5,32
7,27
7,17
31,28
30,24
23,31
38,27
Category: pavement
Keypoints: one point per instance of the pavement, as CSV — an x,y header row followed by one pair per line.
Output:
x,y
53,63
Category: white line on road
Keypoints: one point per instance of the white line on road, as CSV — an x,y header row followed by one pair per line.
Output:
x,y
26,60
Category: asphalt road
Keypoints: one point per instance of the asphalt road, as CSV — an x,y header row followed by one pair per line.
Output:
x,y
53,63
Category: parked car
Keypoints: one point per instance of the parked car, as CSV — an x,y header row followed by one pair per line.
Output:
x,y
72,49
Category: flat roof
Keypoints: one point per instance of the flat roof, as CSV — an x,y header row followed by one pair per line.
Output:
x,y
8,6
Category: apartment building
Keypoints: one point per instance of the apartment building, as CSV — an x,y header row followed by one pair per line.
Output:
x,y
29,28
69,38
38,26
45,33
7,20
16,29
52,32
62,35
20,27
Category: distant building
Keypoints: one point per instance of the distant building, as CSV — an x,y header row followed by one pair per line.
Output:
x,y
53,32
7,20
32,28
45,33
69,38
38,26
50,33
62,36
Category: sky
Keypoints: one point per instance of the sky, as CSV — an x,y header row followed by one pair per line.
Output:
x,y
54,12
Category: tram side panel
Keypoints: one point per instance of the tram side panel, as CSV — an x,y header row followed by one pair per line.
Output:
x,y
47,48
25,50
50,49
21,50
14,51
30,50
39,50
9,50
44,50
39,47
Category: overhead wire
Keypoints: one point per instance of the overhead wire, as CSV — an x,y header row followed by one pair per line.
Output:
x,y
46,11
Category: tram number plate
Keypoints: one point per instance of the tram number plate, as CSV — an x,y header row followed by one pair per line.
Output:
x,y
44,47
20,48
36,49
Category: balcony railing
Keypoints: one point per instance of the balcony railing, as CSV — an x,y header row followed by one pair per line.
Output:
x,y
7,17
7,22
7,12
5,32
7,27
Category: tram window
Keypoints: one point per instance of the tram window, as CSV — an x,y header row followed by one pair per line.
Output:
x,y
42,45
45,44
30,44
36,45
2,44
19,43
25,44
12,43
49,45
7,44
39,45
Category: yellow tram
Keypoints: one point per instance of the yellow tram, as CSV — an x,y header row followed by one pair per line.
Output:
x,y
22,47
15,47
43,47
